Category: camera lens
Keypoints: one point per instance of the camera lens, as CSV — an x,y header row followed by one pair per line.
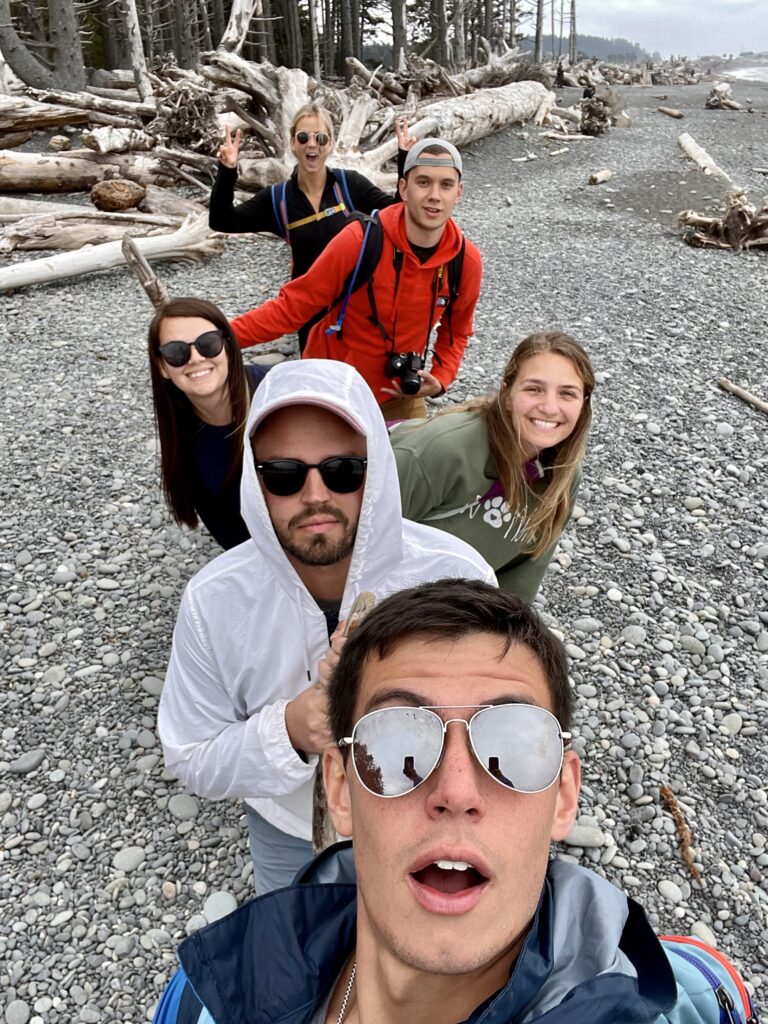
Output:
x,y
410,383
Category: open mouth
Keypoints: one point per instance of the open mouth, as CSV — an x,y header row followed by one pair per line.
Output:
x,y
449,877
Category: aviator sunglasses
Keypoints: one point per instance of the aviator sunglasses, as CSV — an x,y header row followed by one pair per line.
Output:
x,y
342,474
321,138
394,750
178,353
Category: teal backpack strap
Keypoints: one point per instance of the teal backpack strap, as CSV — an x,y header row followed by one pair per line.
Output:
x,y
708,983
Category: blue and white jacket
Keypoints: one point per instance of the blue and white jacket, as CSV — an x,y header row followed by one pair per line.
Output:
x,y
590,957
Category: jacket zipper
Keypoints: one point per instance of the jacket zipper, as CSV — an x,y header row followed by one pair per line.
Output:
x,y
723,961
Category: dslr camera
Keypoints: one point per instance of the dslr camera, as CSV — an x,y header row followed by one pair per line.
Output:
x,y
405,366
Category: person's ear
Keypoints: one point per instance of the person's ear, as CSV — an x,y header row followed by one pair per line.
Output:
x,y
567,796
460,191
337,791
401,185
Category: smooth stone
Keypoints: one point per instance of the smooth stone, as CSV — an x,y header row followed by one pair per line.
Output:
x,y
63,575
27,762
670,891
23,558
701,930
17,1011
614,594
692,503
107,584
183,806
6,799
587,625
218,905
724,430
585,836
54,675
733,723
36,801
692,645
129,858
634,634
152,685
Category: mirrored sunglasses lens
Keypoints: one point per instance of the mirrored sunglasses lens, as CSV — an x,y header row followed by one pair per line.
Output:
x,y
283,477
175,353
210,344
395,749
343,475
321,138
519,745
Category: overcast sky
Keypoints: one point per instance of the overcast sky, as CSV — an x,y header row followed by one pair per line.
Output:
x,y
689,27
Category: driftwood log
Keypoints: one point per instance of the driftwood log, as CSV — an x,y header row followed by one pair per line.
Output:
x,y
671,112
149,281
740,226
191,241
76,228
600,176
745,396
720,98
701,158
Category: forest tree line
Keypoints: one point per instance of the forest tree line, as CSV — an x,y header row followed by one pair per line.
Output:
x,y
51,43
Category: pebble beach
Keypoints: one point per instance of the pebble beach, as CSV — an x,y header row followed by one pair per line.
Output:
x,y
659,587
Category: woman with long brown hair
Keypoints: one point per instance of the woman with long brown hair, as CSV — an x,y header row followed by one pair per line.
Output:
x,y
502,472
202,393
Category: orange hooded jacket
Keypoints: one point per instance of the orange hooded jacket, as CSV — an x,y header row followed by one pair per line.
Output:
x,y
409,303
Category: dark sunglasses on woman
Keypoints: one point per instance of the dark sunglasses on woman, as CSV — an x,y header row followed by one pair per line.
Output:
x,y
395,749
321,138
178,353
342,474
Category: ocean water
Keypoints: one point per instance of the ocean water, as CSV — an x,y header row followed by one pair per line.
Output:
x,y
757,74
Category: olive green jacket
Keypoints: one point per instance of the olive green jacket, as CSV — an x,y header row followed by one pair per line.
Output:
x,y
445,470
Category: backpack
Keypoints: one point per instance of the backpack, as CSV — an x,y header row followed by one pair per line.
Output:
x,y
367,261
708,983
343,204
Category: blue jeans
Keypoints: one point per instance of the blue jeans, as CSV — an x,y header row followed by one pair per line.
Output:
x,y
277,856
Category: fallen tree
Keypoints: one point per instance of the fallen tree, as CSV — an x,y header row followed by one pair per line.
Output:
x,y
76,228
720,98
191,241
701,158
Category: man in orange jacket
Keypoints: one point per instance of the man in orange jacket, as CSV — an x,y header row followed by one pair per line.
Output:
x,y
409,292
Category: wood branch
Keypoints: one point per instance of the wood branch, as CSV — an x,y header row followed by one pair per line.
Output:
x,y
387,86
264,133
192,241
600,176
145,275
183,175
20,114
740,226
12,208
85,101
354,122
745,396
671,112
569,113
701,158
166,203
117,140
74,230
47,172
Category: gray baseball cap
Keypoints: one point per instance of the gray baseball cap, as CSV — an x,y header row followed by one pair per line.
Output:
x,y
417,158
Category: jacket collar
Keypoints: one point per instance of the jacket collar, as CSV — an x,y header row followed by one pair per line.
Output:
x,y
590,954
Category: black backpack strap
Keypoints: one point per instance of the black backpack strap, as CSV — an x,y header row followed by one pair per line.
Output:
x,y
367,261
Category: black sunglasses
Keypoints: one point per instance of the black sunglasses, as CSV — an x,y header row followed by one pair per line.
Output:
x,y
342,474
395,749
177,353
321,138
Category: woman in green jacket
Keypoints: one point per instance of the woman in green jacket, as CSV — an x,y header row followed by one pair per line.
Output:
x,y
502,472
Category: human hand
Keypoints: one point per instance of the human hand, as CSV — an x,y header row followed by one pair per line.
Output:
x,y
404,141
430,387
330,659
306,719
229,151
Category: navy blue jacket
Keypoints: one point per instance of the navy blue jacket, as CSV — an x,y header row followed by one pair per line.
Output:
x,y
590,956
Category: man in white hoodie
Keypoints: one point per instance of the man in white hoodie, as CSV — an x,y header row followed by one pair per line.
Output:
x,y
243,710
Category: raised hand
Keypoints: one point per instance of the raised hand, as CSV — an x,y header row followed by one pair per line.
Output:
x,y
229,151
404,141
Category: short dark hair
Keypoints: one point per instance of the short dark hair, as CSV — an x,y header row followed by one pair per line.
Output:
x,y
447,610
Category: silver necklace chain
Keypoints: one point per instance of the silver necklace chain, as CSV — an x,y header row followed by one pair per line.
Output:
x,y
347,994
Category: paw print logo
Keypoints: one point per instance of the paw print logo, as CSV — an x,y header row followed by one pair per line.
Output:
x,y
496,512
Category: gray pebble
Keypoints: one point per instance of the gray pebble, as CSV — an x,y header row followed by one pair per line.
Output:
x,y
17,1011
218,905
634,635
183,806
585,836
670,891
129,858
27,762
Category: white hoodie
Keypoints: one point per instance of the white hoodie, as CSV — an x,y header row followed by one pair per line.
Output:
x,y
249,635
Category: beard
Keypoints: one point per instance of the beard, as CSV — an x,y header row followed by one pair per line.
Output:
x,y
318,549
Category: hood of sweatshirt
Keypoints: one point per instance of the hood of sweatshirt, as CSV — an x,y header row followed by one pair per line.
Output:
x,y
341,390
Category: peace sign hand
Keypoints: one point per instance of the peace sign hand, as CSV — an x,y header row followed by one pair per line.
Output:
x,y
229,151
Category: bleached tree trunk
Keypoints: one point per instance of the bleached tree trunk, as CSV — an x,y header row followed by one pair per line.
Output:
x,y
572,47
237,26
138,61
537,46
192,241
459,34
399,37
317,69
42,172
